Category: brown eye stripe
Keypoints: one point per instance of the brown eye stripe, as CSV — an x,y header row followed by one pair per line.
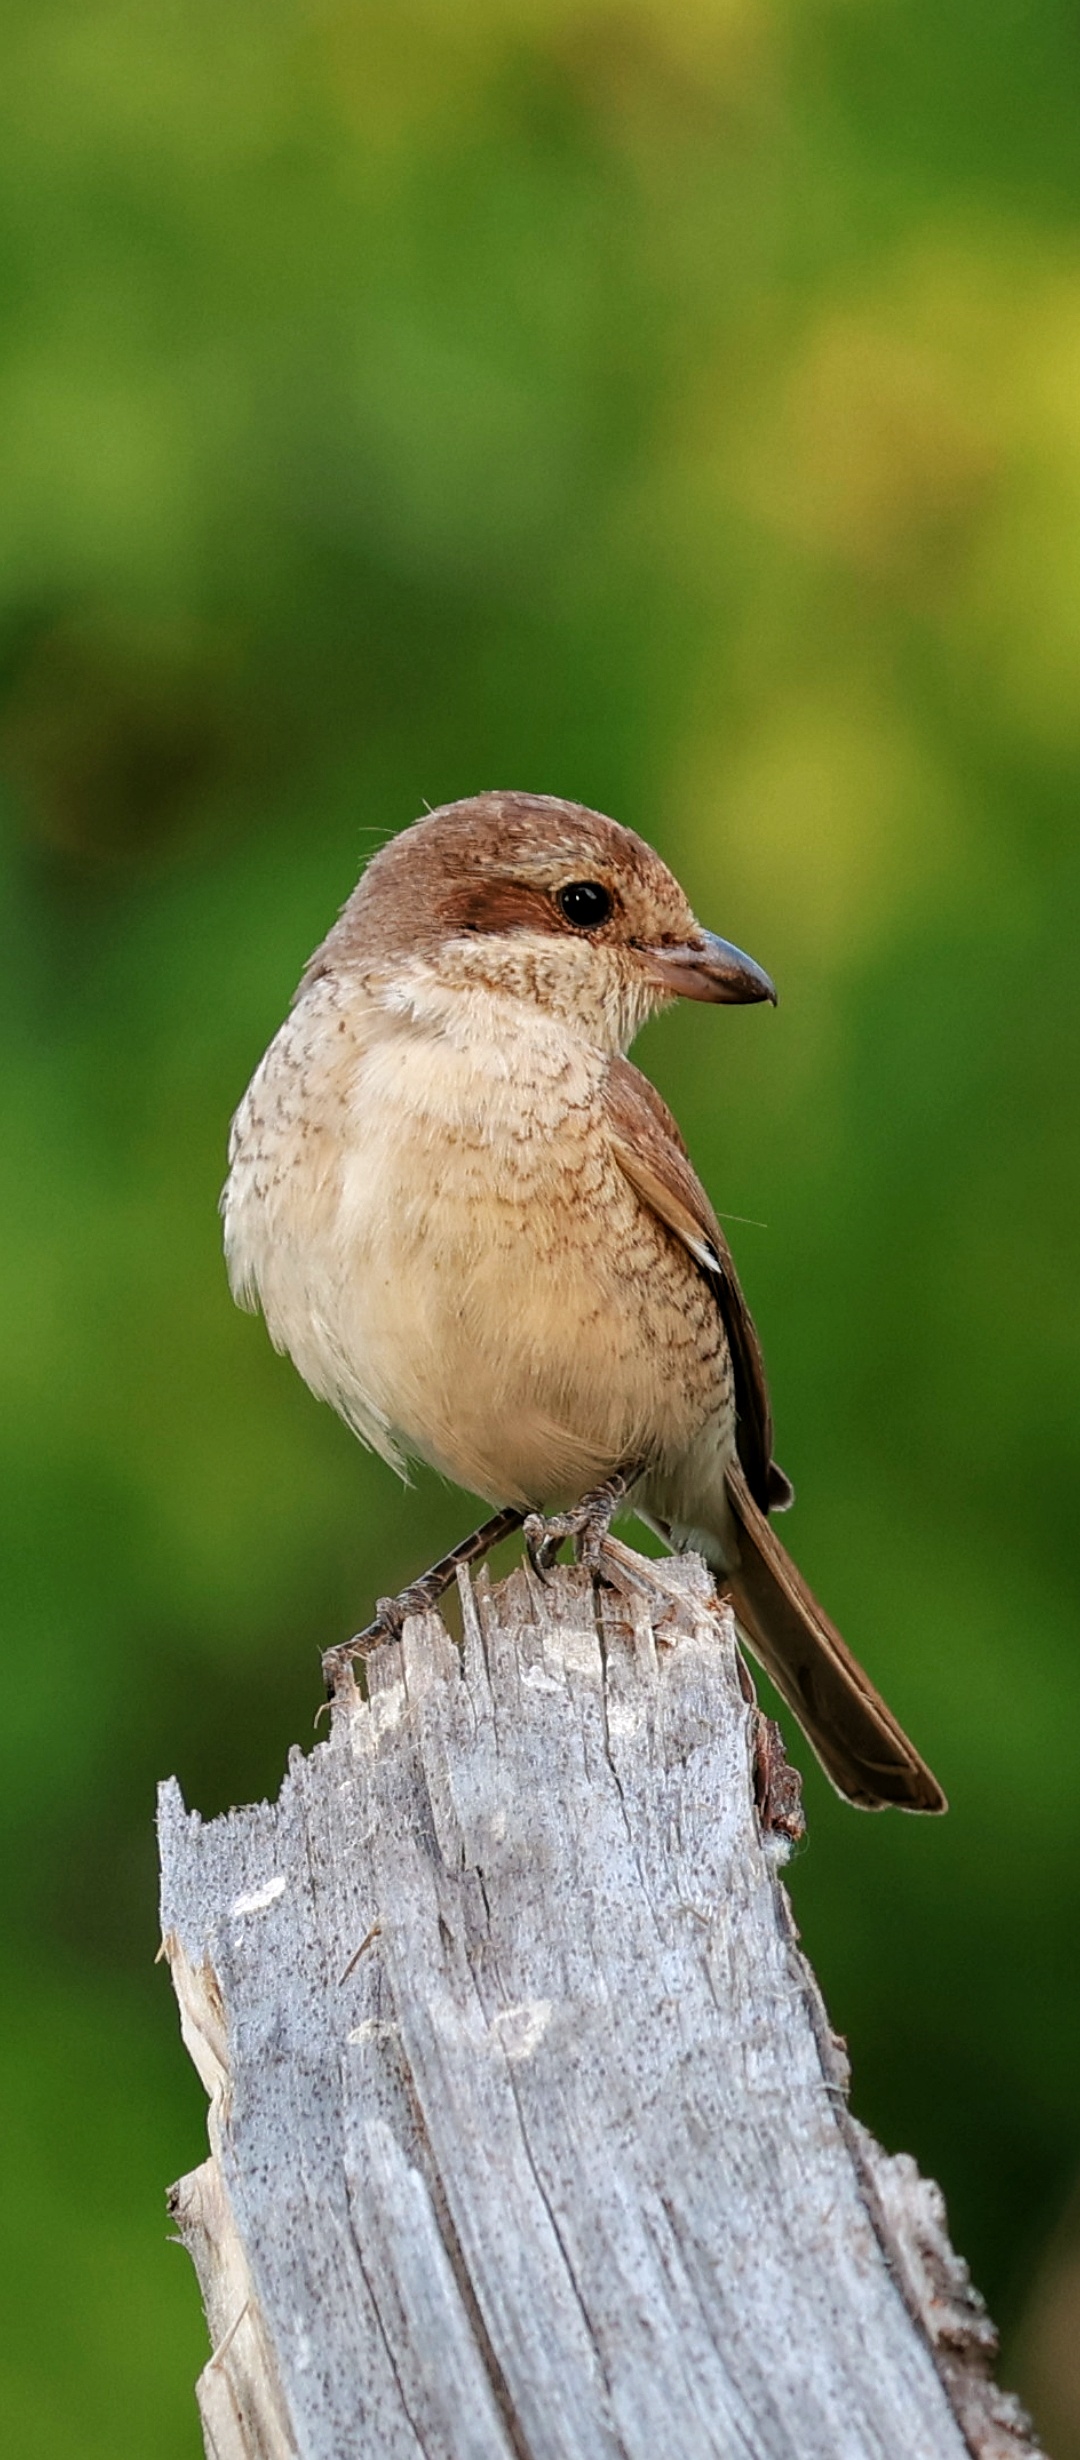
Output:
x,y
497,906
500,905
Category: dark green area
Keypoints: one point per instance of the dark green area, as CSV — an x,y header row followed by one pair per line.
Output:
x,y
675,406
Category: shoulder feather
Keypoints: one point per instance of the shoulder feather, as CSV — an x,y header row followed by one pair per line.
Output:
x,y
652,1155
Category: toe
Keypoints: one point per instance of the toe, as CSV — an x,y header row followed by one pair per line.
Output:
x,y
391,1613
535,1533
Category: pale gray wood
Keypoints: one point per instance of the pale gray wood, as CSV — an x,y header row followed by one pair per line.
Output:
x,y
529,2138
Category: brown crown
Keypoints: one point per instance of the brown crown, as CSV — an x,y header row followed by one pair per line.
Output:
x,y
492,863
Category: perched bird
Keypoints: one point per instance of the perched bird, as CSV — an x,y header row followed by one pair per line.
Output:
x,y
474,1226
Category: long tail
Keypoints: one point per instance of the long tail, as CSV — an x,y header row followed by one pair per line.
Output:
x,y
856,1737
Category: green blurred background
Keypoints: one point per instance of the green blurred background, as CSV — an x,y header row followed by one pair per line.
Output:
x,y
672,404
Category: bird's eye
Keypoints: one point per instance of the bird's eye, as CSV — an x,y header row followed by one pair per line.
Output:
x,y
585,903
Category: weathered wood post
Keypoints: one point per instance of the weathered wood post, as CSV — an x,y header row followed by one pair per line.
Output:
x,y
529,2138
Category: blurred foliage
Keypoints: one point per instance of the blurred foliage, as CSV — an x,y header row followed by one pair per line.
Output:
x,y
673,404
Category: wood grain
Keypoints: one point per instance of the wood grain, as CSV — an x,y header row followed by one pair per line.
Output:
x,y
528,2136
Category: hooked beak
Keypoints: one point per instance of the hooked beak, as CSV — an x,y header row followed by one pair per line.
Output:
x,y
708,968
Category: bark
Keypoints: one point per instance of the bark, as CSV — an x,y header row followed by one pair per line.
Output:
x,y
528,2135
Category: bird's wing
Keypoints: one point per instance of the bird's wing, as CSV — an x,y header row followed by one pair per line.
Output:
x,y
856,1737
651,1153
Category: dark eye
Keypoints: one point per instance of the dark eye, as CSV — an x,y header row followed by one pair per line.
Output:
x,y
585,904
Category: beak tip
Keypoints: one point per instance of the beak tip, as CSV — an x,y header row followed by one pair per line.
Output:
x,y
739,977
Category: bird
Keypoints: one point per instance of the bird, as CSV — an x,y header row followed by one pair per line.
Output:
x,y
473,1225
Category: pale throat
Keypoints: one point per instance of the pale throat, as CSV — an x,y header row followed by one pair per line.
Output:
x,y
522,988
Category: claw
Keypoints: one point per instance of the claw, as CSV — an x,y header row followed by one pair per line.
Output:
x,y
388,1623
338,1662
544,1534
392,1613
586,1523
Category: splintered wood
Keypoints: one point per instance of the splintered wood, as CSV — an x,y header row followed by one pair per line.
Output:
x,y
528,2136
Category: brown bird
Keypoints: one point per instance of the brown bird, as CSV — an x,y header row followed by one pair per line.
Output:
x,y
474,1226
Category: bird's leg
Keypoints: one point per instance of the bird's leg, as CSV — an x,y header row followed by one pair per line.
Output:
x,y
391,1612
587,1522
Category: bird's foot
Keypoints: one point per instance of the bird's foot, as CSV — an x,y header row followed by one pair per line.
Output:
x,y
338,1662
387,1623
392,1613
586,1524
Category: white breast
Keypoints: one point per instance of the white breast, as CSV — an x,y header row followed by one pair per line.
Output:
x,y
390,1206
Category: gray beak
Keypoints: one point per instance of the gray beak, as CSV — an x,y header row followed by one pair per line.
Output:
x,y
708,968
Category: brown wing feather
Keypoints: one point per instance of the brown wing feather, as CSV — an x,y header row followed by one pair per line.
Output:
x,y
857,1739
651,1152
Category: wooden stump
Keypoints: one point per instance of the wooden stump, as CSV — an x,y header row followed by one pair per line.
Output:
x,y
529,2138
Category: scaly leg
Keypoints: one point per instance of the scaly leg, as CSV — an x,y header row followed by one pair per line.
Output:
x,y
586,1522
390,1612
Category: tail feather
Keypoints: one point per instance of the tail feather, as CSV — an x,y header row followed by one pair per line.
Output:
x,y
861,1747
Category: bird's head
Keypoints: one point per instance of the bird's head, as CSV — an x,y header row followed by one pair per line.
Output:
x,y
538,900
